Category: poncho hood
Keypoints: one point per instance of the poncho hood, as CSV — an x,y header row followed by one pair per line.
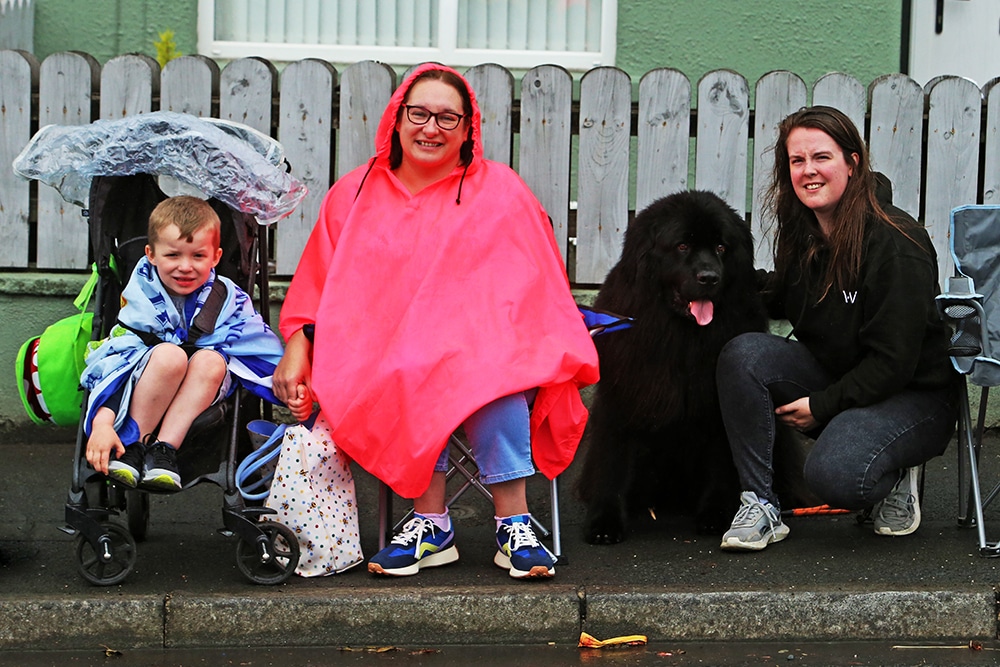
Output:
x,y
427,308
387,125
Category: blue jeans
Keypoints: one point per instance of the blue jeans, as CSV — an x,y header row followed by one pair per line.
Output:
x,y
499,436
857,456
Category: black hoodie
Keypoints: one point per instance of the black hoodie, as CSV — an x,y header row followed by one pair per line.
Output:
x,y
881,334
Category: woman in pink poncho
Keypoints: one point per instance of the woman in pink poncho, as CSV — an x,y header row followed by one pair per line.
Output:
x,y
436,297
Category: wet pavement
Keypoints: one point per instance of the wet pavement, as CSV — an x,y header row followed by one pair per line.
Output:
x,y
721,654
831,580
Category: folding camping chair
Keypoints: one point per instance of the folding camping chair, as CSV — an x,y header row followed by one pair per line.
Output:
x,y
971,305
463,463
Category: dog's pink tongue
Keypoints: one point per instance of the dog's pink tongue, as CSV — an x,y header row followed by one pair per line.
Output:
x,y
702,311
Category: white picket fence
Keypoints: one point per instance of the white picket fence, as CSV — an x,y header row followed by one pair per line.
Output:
x,y
940,145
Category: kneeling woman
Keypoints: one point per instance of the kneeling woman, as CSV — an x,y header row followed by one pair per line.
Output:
x,y
867,374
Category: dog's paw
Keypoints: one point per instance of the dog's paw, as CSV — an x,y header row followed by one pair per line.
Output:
x,y
604,528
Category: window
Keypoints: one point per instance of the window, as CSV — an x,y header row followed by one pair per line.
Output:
x,y
577,34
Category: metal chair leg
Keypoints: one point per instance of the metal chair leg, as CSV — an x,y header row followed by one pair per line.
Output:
x,y
972,447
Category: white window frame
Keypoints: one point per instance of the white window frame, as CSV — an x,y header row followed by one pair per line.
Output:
x,y
447,52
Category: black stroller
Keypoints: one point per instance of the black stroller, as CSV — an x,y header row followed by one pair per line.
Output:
x,y
111,168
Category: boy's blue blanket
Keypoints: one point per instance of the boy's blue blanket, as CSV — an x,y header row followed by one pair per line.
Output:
x,y
250,347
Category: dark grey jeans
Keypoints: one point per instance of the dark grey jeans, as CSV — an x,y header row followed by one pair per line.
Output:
x,y
857,456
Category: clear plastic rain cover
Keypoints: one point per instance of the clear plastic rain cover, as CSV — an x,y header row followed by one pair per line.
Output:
x,y
231,162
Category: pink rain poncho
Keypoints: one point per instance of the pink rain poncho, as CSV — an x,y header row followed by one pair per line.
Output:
x,y
429,306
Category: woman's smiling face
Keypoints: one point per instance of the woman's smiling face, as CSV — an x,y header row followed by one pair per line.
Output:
x,y
818,170
428,145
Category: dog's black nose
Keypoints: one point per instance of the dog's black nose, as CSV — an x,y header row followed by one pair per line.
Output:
x,y
708,277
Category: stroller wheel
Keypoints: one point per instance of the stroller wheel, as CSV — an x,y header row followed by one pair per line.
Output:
x,y
272,558
137,508
113,559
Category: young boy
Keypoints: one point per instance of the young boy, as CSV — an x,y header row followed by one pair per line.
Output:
x,y
183,333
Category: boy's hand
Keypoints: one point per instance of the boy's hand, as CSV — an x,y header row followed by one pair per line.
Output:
x,y
103,440
301,405
294,369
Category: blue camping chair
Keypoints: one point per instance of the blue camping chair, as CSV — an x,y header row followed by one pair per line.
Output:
x,y
971,305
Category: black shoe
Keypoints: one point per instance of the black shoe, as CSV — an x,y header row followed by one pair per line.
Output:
x,y
161,468
127,468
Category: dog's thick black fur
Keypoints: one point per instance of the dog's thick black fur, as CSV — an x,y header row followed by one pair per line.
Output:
x,y
655,437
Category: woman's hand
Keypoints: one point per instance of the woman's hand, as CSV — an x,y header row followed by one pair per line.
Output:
x,y
103,440
294,369
797,415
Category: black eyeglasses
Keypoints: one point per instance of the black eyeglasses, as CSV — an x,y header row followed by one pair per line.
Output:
x,y
446,120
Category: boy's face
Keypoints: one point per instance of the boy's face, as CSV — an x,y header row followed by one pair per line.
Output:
x,y
184,266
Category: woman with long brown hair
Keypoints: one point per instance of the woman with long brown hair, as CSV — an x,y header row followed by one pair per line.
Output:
x,y
867,374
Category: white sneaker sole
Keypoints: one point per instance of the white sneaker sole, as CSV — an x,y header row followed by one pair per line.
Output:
x,y
158,479
126,475
449,555
886,530
537,572
736,544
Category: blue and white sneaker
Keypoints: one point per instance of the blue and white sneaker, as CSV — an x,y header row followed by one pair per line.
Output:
x,y
420,544
520,552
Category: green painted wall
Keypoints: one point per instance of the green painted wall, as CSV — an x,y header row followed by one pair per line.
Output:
x,y
107,28
859,37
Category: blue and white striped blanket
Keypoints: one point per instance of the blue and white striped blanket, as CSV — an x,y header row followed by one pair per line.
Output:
x,y
250,347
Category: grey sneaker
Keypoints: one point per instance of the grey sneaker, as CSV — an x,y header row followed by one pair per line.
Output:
x,y
757,524
899,513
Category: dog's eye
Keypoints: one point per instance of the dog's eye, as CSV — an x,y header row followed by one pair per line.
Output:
x,y
720,249
683,247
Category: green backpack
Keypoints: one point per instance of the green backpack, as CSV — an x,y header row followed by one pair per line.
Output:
x,y
49,366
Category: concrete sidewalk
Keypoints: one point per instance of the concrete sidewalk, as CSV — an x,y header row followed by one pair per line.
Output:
x,y
831,580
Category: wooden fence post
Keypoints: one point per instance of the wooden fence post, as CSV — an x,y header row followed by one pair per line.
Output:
x,y
128,84
187,85
602,216
843,92
365,89
778,94
723,132
662,149
18,77
305,130
247,88
991,142
67,83
894,142
953,115
494,87
546,133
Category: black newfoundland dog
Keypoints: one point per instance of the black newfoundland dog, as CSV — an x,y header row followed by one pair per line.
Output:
x,y
655,437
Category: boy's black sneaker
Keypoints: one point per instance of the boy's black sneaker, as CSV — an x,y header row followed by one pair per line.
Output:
x,y
161,468
127,468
